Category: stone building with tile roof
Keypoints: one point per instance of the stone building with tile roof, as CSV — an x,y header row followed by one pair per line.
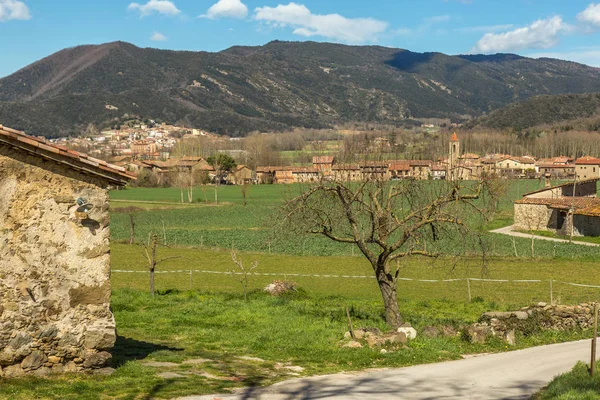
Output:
x,y
568,209
54,257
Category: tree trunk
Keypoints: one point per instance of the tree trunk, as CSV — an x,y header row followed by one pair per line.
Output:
x,y
387,287
131,229
152,282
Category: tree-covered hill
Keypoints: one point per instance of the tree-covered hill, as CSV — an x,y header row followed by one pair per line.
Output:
x,y
272,87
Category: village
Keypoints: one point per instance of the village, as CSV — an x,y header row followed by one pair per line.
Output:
x,y
149,151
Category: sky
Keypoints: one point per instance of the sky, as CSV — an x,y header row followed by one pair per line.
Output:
x,y
565,29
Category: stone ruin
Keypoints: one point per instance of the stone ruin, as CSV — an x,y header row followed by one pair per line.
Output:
x,y
54,258
528,320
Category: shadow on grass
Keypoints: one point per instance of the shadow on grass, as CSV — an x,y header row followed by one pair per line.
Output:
x,y
128,349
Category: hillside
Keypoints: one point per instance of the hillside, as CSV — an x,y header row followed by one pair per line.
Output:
x,y
272,87
577,111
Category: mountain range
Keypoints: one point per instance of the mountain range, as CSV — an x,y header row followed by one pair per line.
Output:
x,y
277,86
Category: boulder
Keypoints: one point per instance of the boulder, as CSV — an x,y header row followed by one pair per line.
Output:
x,y
353,345
97,360
410,332
34,361
478,333
430,331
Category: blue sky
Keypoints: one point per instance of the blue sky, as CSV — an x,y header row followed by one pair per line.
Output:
x,y
32,29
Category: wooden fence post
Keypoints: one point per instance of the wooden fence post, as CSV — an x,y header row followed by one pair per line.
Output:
x,y
469,288
593,355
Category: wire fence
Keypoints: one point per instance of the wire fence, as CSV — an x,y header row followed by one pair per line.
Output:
x,y
551,282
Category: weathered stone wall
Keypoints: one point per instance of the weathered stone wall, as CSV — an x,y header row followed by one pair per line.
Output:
x,y
529,320
54,268
532,217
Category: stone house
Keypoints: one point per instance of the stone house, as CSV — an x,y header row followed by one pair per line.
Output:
x,y
324,164
54,257
241,175
399,170
568,209
346,173
587,168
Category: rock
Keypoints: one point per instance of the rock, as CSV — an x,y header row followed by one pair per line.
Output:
x,y
294,368
478,333
12,371
34,361
20,340
104,371
449,331
100,340
353,345
400,337
430,331
48,333
97,360
510,337
522,315
383,351
54,359
410,332
542,304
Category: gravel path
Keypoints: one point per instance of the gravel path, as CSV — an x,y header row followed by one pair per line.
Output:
x,y
507,230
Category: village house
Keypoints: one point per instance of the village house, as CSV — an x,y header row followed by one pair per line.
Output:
x,y
346,173
241,175
556,168
587,168
399,170
324,164
568,209
54,259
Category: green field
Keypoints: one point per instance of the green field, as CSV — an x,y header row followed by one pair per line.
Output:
x,y
256,228
203,315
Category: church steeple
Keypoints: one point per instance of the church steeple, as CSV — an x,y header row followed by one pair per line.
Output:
x,y
453,155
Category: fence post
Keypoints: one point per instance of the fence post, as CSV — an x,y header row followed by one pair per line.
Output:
x,y
190,279
593,360
469,288
551,294
202,241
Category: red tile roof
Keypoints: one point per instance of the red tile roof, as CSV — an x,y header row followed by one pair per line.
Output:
x,y
589,206
74,159
587,160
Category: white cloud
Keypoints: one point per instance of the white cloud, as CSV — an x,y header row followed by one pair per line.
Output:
x,y
590,15
164,7
158,37
13,9
542,34
227,9
331,26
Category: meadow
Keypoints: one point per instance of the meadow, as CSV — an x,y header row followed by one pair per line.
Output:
x,y
199,335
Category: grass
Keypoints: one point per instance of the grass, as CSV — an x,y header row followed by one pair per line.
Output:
x,y
510,295
574,385
586,239
301,330
255,227
205,317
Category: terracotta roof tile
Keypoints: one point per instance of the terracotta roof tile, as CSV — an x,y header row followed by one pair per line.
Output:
x,y
58,153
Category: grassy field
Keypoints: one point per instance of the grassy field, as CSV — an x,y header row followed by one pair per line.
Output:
x,y
255,227
198,325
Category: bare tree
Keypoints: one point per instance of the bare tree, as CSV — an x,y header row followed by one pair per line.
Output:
x,y
244,187
242,273
130,211
387,221
149,253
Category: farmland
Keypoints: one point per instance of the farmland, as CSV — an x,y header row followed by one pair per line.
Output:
x,y
199,324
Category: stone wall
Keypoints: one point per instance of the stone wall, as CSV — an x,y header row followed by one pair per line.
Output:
x,y
532,217
529,320
54,268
